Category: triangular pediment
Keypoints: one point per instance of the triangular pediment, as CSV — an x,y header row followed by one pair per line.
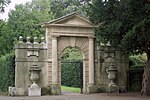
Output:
x,y
72,19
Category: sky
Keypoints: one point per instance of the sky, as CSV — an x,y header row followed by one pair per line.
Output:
x,y
11,6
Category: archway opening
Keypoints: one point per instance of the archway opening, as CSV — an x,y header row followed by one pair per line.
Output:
x,y
71,71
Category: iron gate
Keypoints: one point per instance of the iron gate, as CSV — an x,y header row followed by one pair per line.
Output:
x,y
72,73
135,79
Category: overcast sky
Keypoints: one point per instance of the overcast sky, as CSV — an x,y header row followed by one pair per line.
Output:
x,y
11,6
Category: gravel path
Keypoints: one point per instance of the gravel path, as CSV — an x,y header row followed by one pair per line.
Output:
x,y
99,96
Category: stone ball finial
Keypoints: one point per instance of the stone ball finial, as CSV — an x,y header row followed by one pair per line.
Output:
x,y
35,40
42,39
20,39
28,39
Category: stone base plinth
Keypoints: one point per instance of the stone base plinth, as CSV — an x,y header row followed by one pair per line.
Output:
x,y
55,89
113,89
12,91
34,90
20,92
92,89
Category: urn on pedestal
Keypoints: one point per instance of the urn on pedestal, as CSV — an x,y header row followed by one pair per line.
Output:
x,y
112,71
34,89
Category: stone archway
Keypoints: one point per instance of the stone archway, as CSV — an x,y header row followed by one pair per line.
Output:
x,y
75,31
71,67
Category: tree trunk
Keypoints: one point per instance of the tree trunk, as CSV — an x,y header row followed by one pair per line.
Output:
x,y
146,77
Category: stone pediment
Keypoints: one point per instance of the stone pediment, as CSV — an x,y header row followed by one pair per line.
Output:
x,y
72,19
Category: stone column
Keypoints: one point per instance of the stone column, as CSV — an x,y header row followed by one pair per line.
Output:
x,y
54,61
91,88
91,61
55,86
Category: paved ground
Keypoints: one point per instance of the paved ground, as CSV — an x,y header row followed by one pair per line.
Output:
x,y
100,96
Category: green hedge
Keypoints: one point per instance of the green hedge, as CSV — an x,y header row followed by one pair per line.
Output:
x,y
7,71
135,72
71,74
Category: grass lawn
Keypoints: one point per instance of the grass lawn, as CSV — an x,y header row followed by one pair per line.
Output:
x,y
72,89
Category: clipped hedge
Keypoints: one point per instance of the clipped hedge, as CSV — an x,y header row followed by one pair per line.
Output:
x,y
135,73
71,74
7,71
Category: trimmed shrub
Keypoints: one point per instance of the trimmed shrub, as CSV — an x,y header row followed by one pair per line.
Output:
x,y
7,71
137,61
71,74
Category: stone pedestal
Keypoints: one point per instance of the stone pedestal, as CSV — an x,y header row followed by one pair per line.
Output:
x,y
11,91
55,89
92,88
20,91
112,71
34,90
113,89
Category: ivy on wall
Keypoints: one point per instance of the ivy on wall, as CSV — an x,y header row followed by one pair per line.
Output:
x,y
7,71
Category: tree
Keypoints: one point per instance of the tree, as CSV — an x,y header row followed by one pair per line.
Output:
x,y
71,54
125,24
6,39
26,19
62,7
3,4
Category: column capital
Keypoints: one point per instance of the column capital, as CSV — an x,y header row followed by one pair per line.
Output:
x,y
55,36
91,37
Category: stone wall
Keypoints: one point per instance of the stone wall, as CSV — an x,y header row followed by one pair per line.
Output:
x,y
104,56
76,31
27,54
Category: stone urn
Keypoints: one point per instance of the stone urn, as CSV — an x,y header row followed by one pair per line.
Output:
x,y
34,89
34,71
112,71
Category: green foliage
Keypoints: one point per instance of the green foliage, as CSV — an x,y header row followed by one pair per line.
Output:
x,y
124,23
25,20
71,89
6,40
71,53
62,7
71,74
137,64
7,71
3,4
137,60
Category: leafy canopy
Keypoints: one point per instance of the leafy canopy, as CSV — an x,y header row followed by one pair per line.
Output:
x,y
3,4
124,23
63,7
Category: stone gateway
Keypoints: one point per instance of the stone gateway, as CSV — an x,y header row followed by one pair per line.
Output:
x,y
76,31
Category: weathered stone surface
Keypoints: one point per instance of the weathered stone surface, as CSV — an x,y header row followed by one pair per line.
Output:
x,y
113,89
55,89
92,89
108,55
12,91
21,91
69,31
34,90
25,58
